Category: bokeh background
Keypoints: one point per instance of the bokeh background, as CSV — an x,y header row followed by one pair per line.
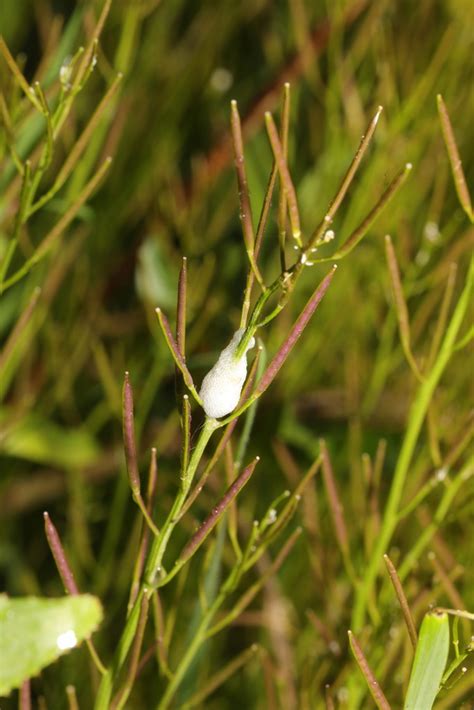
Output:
x,y
171,191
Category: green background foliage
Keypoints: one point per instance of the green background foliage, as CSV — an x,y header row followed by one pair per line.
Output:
x,y
171,191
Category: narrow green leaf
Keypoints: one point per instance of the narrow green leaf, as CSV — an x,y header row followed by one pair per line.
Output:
x,y
430,661
34,632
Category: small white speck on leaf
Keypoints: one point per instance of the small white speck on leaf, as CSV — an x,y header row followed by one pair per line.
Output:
x,y
66,640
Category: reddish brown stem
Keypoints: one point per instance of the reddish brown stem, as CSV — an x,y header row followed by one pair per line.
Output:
x,y
24,701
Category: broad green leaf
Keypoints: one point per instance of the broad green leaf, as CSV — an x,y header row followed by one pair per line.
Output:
x,y
35,631
430,661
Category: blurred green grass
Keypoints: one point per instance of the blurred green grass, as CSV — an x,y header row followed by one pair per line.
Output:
x,y
171,191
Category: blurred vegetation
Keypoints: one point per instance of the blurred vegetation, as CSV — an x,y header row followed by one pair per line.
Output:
x,y
170,191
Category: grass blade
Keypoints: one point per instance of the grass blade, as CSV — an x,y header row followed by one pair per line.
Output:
x,y
221,676
430,661
47,243
400,306
78,148
20,326
416,418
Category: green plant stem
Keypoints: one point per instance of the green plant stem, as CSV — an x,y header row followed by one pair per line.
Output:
x,y
45,246
158,548
221,676
123,694
200,635
258,243
192,649
77,149
254,319
104,693
153,567
227,588
417,415
428,532
13,66
141,504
